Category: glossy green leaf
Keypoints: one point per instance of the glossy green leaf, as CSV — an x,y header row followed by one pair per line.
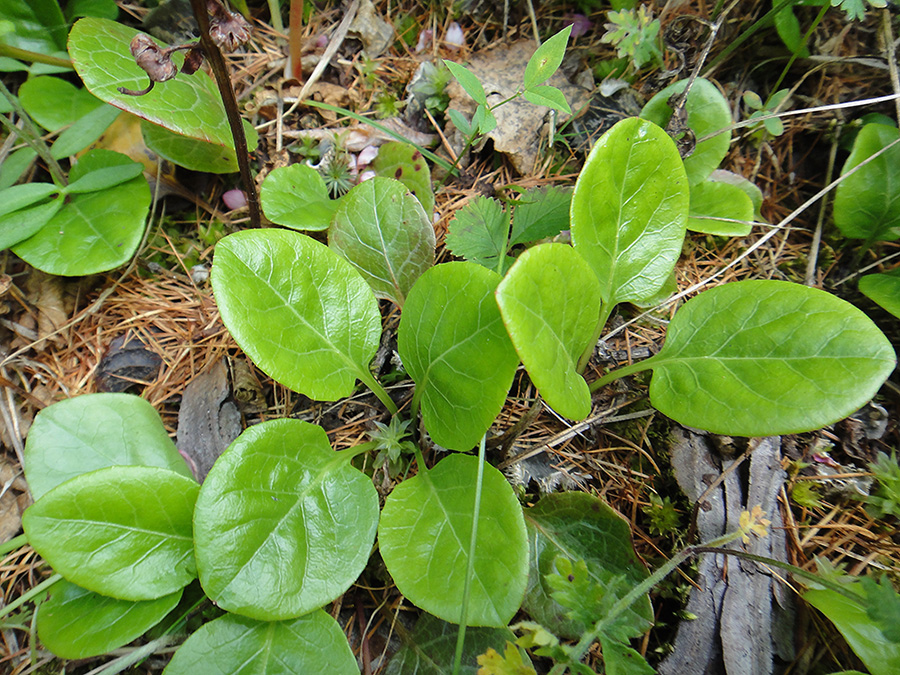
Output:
x,y
707,112
123,531
296,196
235,645
548,96
883,289
84,132
865,637
75,623
192,153
302,313
95,232
432,645
468,81
55,103
38,25
424,535
105,178
92,432
578,526
629,210
550,302
747,187
867,204
384,232
540,213
721,209
187,105
20,196
546,59
103,9
404,162
283,523
762,358
453,344
479,232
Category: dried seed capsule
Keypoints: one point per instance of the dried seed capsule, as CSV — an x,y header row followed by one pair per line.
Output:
x,y
155,61
193,59
229,30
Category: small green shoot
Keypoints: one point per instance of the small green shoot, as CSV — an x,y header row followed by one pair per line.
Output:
x,y
392,440
663,515
773,125
635,35
885,501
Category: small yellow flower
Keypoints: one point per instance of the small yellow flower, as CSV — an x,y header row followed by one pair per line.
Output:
x,y
752,522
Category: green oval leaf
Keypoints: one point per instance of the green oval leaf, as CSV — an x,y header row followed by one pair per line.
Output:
x,y
187,105
468,81
747,187
405,163
550,303
866,204
123,531
383,231
76,623
37,25
192,153
762,358
232,644
424,536
296,196
883,289
548,96
95,431
302,313
707,112
94,232
283,523
629,210
720,209
54,103
579,526
546,59
453,344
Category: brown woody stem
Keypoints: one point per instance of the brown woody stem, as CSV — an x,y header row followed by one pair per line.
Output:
x,y
229,100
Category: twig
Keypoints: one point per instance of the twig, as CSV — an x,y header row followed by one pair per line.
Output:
x,y
891,53
810,278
